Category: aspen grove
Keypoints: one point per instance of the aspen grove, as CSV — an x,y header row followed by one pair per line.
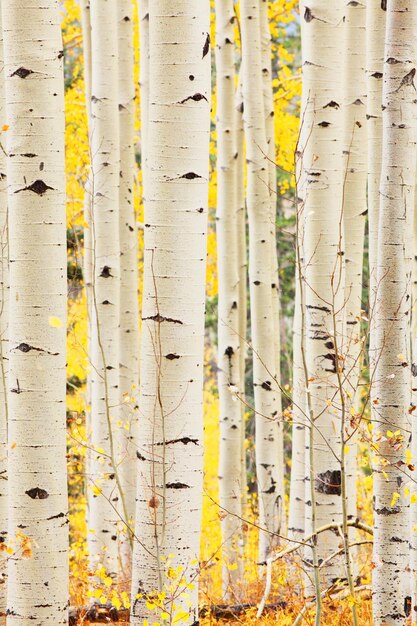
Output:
x,y
208,312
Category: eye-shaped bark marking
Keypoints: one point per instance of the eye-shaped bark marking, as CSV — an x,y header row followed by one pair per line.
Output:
x,y
197,97
39,187
37,493
22,72
177,486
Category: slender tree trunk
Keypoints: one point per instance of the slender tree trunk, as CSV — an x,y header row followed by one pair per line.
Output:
x,y
269,112
229,343
243,276
354,215
105,496
4,323
144,87
169,487
298,465
129,304
375,38
324,273
268,466
37,586
392,323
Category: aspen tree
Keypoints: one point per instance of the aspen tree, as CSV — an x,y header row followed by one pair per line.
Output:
x,y
390,578
144,86
354,216
375,38
229,344
4,310
169,483
129,306
243,274
266,49
105,496
37,586
321,179
298,466
262,319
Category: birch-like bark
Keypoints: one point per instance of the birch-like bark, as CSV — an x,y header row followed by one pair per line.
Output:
x,y
375,38
243,276
129,304
266,49
392,320
229,343
169,485
4,323
298,465
354,215
37,586
260,272
105,497
144,87
321,180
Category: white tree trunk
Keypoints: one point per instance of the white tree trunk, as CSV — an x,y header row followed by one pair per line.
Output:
x,y
269,112
144,86
268,466
229,343
4,324
129,304
105,497
169,487
298,465
390,577
321,180
354,215
375,38
37,586
243,276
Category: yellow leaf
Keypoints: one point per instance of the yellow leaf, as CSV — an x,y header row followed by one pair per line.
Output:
x,y
116,602
55,322
182,615
395,497
5,127
164,615
108,581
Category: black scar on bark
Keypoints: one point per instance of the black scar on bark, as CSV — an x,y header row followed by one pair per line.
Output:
x,y
25,347
267,385
323,124
407,606
408,80
184,440
160,318
325,309
172,356
308,16
333,104
22,72
105,272
177,486
191,176
229,352
140,457
37,493
197,97
39,187
384,5
329,482
56,516
206,48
